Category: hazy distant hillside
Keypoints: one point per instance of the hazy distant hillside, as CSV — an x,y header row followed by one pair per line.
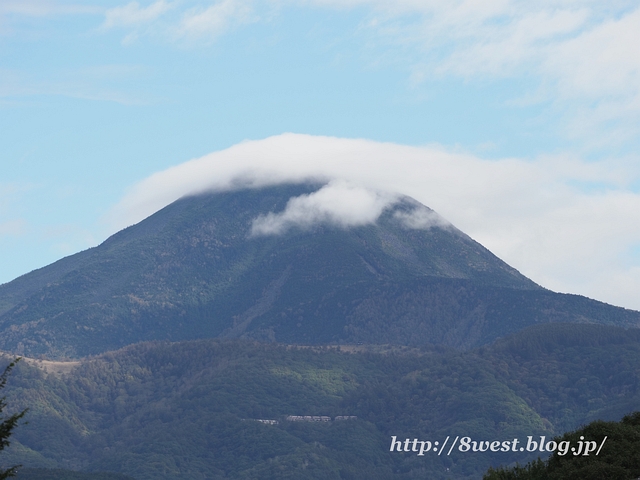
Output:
x,y
189,410
62,474
193,270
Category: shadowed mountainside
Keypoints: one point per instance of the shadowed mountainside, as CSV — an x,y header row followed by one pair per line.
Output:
x,y
193,270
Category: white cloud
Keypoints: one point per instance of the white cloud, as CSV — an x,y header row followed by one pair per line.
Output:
x,y
39,8
215,20
337,203
98,82
502,51
603,61
578,55
199,22
581,55
598,75
132,15
15,227
420,218
569,224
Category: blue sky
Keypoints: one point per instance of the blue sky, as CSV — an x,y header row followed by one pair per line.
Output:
x,y
523,119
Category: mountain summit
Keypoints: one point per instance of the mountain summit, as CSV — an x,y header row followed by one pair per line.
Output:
x,y
287,263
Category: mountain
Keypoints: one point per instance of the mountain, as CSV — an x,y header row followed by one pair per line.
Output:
x,y
195,270
169,411
60,474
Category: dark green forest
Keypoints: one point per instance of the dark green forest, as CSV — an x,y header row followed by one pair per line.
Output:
x,y
193,270
61,474
190,409
620,460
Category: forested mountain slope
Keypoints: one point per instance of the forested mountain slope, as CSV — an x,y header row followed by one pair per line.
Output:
x,y
191,409
194,270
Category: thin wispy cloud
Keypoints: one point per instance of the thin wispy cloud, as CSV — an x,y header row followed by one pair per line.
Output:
x,y
133,15
209,23
10,196
579,56
41,8
582,56
14,227
420,218
105,83
199,22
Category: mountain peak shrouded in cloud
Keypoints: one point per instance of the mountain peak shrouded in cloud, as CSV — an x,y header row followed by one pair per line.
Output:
x,y
546,216
523,118
303,263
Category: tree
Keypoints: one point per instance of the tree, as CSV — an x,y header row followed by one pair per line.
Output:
x,y
7,425
619,459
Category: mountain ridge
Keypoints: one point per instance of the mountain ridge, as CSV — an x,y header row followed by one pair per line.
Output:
x,y
194,269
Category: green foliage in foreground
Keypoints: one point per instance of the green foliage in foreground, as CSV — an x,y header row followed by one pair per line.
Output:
x,y
8,424
619,458
189,410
